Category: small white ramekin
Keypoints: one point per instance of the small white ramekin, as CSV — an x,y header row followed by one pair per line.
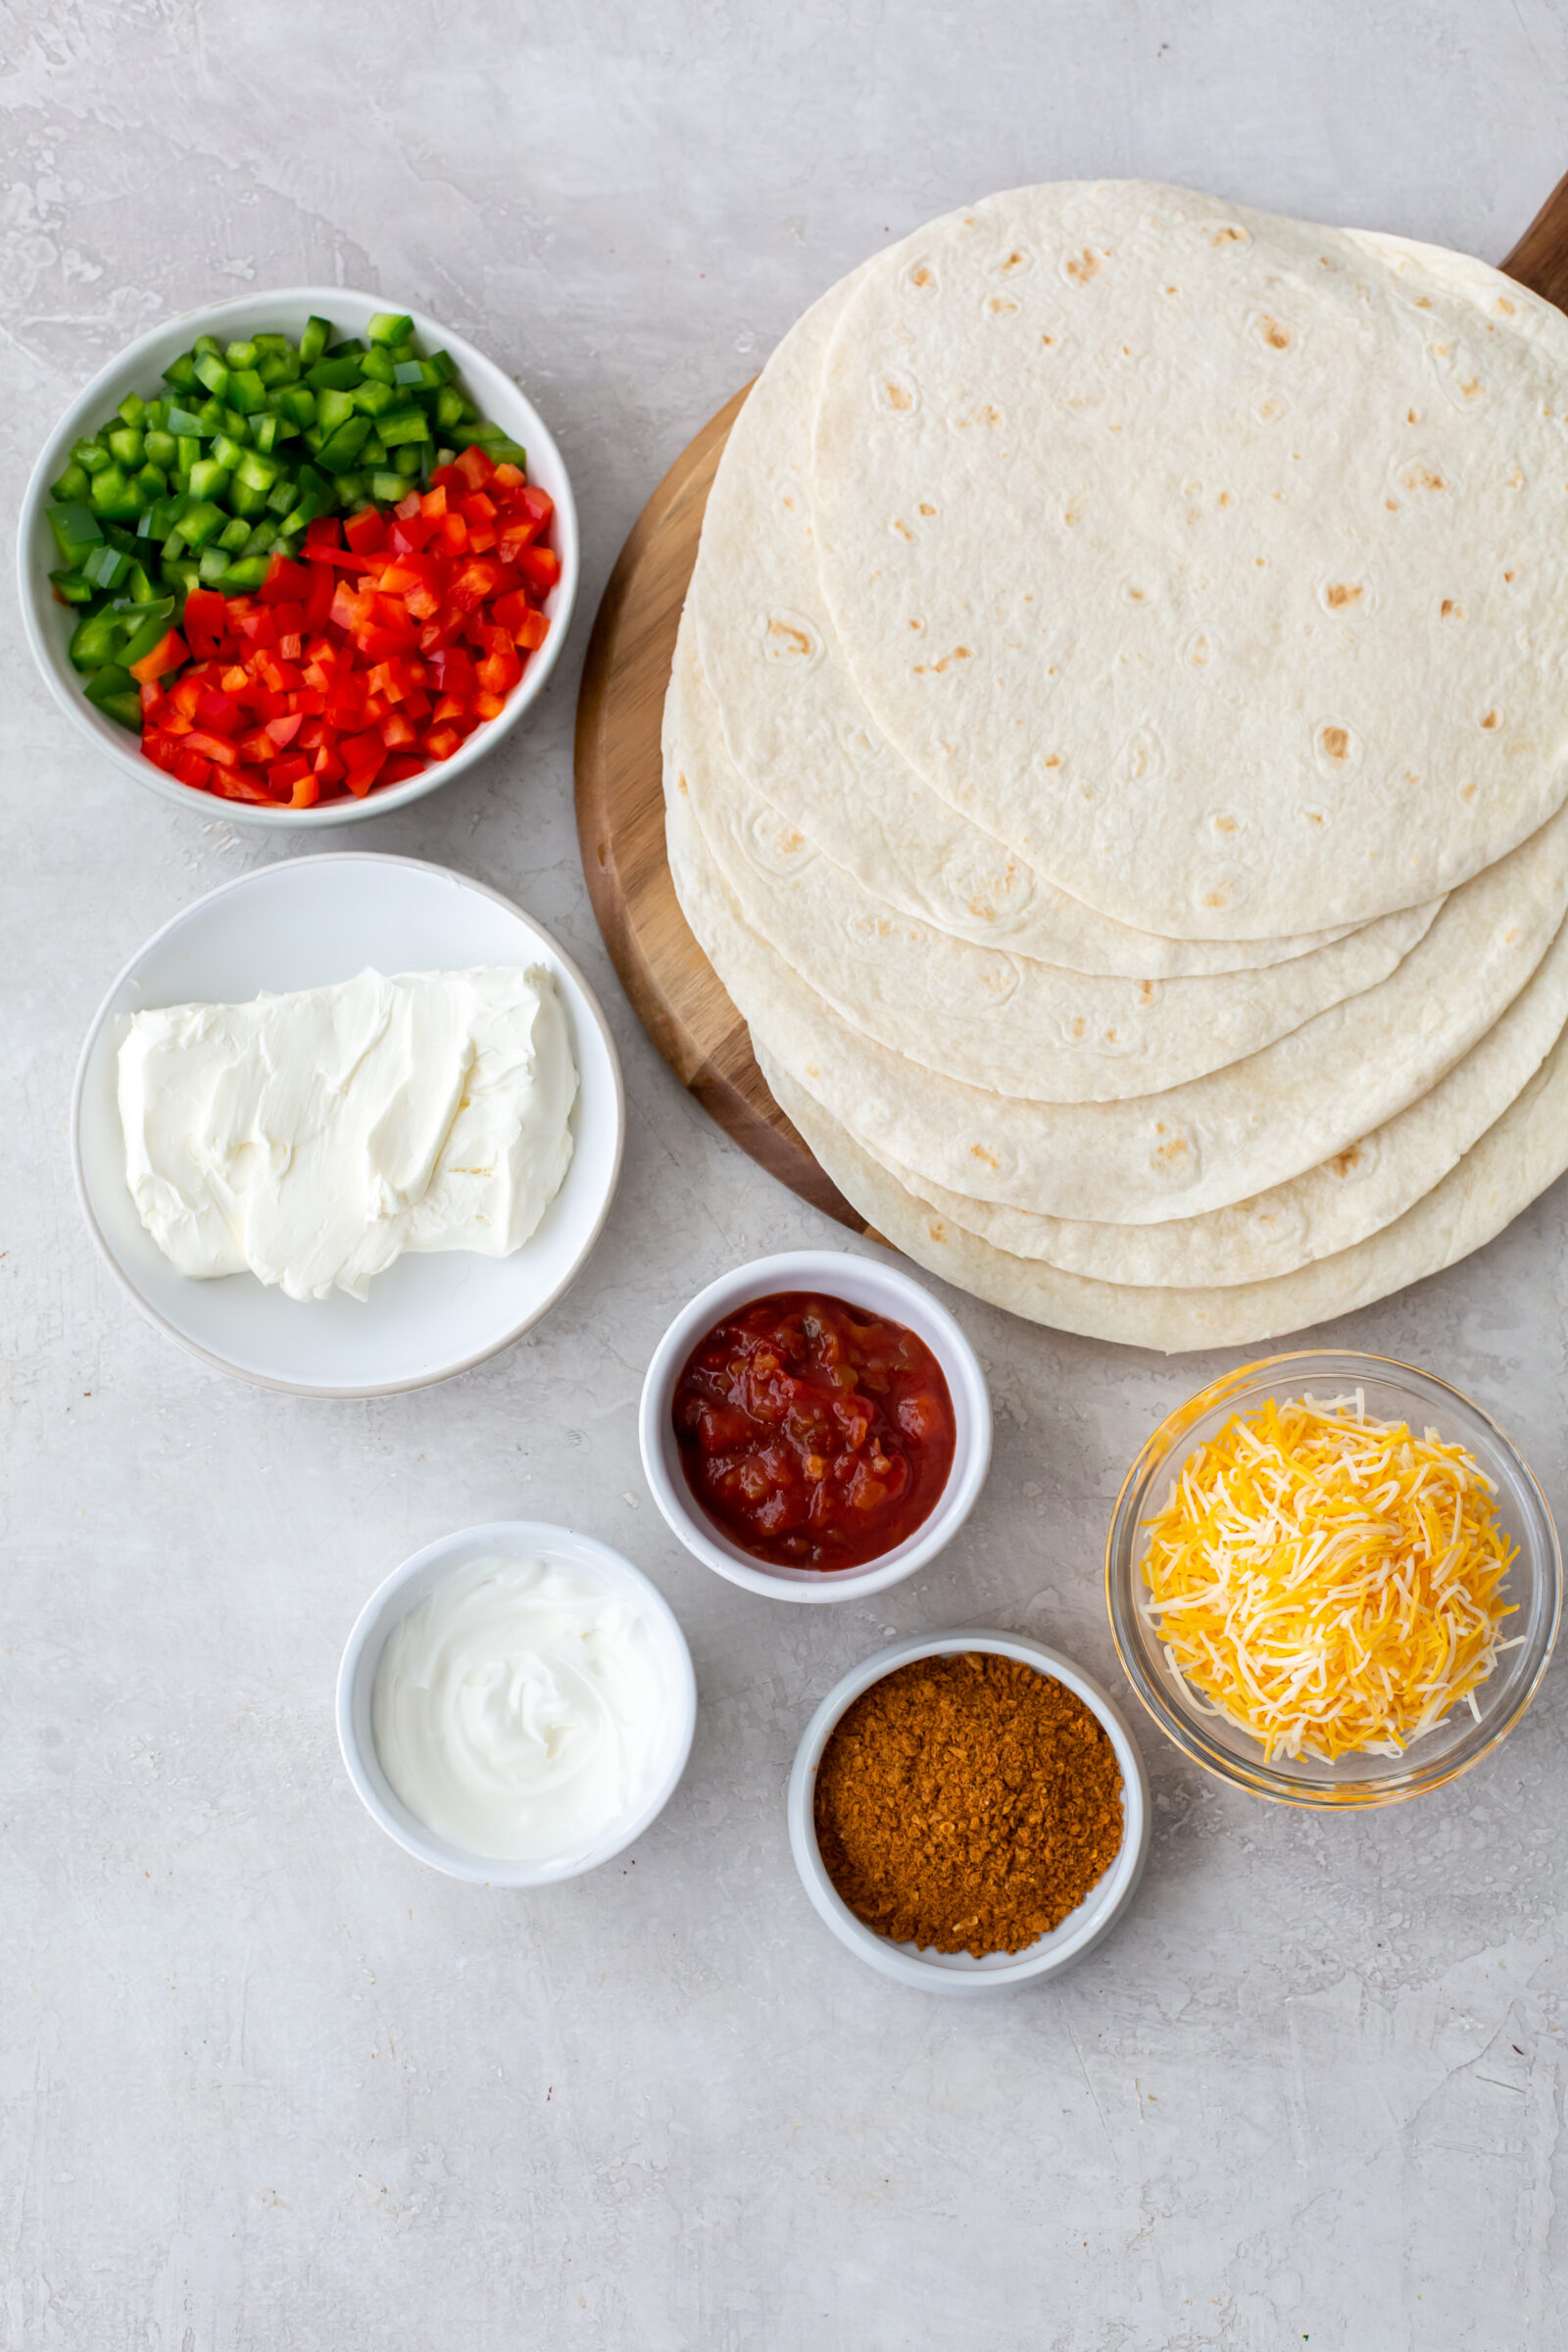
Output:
x,y
862,1282
961,1971
283,309
404,1590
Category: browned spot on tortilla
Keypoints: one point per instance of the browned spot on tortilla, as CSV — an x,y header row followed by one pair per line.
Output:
x,y
1423,301
1228,236
960,652
798,639
681,781
1342,593
1392,504
1217,898
979,1152
898,397
1467,791
1471,388
1136,595
1261,561
1052,758
925,509
1224,824
1226,499
1335,742
901,528
1075,1027
1048,339
1344,1163
1493,718
1506,306
1314,816
922,276
1450,610
1410,417
1145,992
791,840
1081,267
1000,306
1511,934
1014,260
1424,477
1170,289
1277,337
1508,575
1173,1152
935,1229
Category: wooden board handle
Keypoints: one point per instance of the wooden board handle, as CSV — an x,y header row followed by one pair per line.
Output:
x,y
1539,259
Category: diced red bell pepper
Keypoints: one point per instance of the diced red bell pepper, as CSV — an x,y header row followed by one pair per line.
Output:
x,y
365,532
540,567
287,583
442,742
192,769
167,655
206,621
215,747
474,466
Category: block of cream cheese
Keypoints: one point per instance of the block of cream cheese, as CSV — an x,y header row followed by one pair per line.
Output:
x,y
312,1137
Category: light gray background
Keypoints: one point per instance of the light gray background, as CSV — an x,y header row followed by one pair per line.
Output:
x,y
263,2082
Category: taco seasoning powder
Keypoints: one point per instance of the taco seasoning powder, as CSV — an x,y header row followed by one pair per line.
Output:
x,y
967,1803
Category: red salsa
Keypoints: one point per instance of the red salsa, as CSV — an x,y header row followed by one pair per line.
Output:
x,y
813,1435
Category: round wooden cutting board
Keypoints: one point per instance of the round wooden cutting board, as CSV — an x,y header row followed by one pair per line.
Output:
x,y
621,799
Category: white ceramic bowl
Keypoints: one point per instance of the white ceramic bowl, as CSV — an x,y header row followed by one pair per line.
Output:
x,y
864,1282
405,1589
961,1971
301,923
139,368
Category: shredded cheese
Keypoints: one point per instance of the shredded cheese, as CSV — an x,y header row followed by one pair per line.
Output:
x,y
1327,1581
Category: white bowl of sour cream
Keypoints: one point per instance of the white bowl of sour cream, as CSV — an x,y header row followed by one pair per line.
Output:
x,y
516,1705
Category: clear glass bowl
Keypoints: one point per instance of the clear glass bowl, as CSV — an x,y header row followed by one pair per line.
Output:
x,y
1392,1391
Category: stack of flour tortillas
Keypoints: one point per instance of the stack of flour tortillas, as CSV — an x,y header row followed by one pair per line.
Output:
x,y
1117,748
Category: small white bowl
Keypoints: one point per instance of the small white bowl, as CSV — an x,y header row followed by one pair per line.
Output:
x,y
961,1971
862,1282
139,368
303,924
414,1582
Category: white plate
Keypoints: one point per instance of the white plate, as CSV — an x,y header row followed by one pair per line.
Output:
x,y
302,924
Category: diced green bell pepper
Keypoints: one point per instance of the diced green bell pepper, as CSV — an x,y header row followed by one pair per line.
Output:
x,y
390,326
202,521
70,485
334,376
208,478
403,424
113,691
181,373
94,640
314,340
340,449
211,371
246,391
152,625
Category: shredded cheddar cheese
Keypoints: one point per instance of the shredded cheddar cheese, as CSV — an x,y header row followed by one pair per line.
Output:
x,y
1327,1581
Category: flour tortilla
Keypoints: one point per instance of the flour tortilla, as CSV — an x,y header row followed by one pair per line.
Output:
x,y
1206,1144
1327,1209
1218,564
799,734
988,1017
1513,1163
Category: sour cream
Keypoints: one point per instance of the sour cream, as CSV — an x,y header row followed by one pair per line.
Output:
x,y
312,1137
522,1710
